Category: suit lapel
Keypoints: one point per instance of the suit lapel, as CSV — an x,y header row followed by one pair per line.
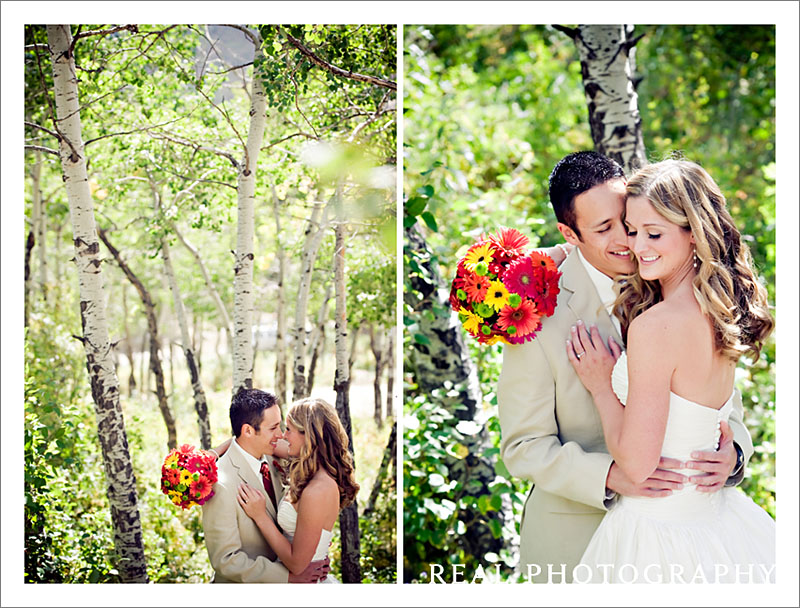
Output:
x,y
583,300
250,477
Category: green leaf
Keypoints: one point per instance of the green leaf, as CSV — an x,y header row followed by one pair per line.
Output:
x,y
415,205
429,220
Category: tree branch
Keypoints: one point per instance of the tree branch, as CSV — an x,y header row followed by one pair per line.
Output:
x,y
334,69
41,128
197,147
569,31
41,149
140,129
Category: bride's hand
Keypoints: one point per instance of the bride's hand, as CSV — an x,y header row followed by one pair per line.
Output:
x,y
252,501
591,359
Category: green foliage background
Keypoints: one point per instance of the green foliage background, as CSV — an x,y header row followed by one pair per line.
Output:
x,y
488,111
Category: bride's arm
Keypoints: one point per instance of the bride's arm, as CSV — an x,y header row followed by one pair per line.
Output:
x,y
635,433
558,252
295,555
222,448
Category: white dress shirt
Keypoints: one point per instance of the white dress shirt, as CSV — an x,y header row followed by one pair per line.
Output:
x,y
604,285
254,462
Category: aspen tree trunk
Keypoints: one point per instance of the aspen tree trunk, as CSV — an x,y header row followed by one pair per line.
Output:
x,y
606,53
446,360
128,345
388,463
144,371
376,344
29,243
351,359
318,338
280,336
39,223
152,328
200,403
226,319
390,375
57,256
120,478
313,239
348,518
243,267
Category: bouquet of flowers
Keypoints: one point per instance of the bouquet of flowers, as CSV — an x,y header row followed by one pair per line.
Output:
x,y
188,476
501,292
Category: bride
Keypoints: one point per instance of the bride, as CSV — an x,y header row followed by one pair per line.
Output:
x,y
691,308
321,482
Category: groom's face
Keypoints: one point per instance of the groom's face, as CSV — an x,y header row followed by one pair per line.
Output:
x,y
598,217
263,440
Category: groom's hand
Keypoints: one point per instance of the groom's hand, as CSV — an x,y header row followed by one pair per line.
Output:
x,y
315,571
661,483
715,467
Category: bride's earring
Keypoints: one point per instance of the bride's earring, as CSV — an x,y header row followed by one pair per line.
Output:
x,y
694,255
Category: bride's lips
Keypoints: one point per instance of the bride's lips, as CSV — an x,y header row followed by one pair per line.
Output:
x,y
648,259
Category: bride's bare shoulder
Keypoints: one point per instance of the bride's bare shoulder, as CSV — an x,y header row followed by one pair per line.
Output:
x,y
665,320
321,485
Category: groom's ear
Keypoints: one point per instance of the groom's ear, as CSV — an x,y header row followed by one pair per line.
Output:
x,y
568,234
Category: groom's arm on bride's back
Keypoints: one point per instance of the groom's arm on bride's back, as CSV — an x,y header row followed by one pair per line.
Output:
x,y
224,543
741,436
530,446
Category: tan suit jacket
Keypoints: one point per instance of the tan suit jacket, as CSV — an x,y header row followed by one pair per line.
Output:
x,y
236,548
552,434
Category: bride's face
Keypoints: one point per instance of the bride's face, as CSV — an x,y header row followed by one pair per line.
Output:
x,y
295,437
663,249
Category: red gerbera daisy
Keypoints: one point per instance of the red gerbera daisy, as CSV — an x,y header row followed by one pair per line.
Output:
x,y
520,276
545,291
476,287
523,318
200,488
458,284
509,240
540,260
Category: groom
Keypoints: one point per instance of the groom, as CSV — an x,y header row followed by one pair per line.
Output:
x,y
236,548
551,431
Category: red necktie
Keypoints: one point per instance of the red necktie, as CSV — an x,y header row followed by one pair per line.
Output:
x,y
268,483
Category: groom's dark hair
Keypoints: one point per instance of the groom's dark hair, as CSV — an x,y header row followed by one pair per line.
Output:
x,y
575,174
247,407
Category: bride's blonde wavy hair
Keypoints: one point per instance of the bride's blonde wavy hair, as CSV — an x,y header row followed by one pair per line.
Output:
x,y
325,446
725,285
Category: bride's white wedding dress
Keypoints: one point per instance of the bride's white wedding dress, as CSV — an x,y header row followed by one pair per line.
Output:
x,y
689,536
287,520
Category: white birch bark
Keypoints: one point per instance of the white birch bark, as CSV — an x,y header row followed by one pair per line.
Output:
x,y
313,239
39,223
280,336
318,338
614,118
390,374
348,518
120,477
376,345
243,266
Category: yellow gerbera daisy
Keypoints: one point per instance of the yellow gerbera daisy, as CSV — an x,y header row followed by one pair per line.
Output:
x,y
477,255
495,339
186,477
473,322
497,296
